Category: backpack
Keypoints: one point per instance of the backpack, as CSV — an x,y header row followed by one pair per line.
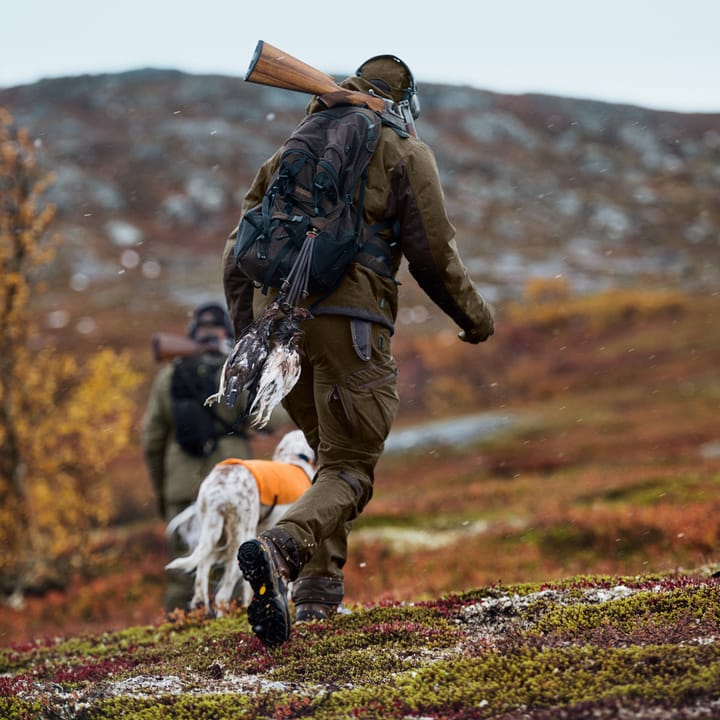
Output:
x,y
307,222
197,428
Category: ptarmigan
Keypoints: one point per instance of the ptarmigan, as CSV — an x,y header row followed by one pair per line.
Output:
x,y
245,361
281,369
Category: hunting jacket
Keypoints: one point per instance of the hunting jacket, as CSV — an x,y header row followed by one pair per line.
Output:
x,y
404,189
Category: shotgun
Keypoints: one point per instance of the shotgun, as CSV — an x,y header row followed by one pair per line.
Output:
x,y
270,66
169,345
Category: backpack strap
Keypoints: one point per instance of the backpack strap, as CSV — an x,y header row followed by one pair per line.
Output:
x,y
375,255
361,202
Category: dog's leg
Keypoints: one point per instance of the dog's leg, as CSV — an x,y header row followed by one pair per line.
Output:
x,y
226,557
240,522
211,531
273,518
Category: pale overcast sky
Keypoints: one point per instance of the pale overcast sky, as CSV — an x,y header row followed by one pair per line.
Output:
x,y
662,54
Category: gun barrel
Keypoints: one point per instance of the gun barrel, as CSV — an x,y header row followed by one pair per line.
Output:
x,y
170,345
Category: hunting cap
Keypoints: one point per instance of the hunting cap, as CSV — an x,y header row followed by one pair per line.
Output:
x,y
210,314
390,75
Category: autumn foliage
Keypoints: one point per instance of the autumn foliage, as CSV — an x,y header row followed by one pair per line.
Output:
x,y
62,419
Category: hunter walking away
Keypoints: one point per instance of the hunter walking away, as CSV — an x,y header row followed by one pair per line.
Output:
x,y
324,227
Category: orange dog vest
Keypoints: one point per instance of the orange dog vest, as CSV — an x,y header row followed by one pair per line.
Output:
x,y
278,483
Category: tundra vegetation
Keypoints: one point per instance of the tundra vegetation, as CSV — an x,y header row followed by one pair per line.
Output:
x,y
546,572
587,647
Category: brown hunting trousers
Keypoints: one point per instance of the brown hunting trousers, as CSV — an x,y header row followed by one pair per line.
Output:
x,y
345,403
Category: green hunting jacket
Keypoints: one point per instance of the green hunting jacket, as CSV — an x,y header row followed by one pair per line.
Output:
x,y
403,187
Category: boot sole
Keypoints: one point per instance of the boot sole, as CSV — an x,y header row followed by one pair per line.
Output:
x,y
268,612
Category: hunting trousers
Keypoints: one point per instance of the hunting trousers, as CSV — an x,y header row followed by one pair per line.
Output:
x,y
345,403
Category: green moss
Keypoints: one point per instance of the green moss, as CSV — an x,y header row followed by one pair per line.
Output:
x,y
495,683
363,654
17,709
651,609
458,657
188,707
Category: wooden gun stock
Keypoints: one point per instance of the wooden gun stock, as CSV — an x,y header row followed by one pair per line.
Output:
x,y
169,345
270,66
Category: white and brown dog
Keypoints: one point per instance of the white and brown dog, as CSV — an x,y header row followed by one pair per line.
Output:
x,y
237,500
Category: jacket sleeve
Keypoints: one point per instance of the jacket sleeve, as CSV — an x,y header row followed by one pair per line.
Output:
x,y
428,243
156,429
239,289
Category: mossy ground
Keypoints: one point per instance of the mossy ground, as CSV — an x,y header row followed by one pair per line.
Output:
x,y
583,647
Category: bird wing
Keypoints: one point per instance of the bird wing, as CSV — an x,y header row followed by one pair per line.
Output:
x,y
279,376
243,369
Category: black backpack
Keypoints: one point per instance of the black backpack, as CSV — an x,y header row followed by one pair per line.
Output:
x,y
197,427
307,219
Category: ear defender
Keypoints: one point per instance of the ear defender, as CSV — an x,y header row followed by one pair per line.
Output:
x,y
409,93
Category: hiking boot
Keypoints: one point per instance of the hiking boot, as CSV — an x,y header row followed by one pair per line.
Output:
x,y
267,564
314,612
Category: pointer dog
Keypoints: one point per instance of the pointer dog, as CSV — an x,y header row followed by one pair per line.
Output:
x,y
237,500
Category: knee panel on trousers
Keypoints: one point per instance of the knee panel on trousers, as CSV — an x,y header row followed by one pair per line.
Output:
x,y
363,491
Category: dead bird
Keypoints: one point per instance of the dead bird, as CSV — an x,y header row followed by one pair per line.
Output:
x,y
281,369
244,363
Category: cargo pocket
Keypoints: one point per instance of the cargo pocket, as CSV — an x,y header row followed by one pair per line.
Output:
x,y
363,403
340,408
375,401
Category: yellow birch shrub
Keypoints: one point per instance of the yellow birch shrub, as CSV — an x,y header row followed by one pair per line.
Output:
x,y
62,420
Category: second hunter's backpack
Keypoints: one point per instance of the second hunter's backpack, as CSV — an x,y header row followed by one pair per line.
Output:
x,y
197,427
310,202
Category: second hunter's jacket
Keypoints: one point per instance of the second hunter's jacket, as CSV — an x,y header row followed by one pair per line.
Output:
x,y
404,188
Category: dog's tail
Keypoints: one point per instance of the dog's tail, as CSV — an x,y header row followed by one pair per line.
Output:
x,y
210,535
183,524
187,563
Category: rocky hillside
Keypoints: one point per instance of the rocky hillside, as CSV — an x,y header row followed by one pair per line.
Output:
x,y
151,166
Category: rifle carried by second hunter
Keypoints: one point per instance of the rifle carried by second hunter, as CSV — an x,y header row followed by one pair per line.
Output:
x,y
270,66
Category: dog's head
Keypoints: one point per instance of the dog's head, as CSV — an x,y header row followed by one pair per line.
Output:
x,y
294,449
